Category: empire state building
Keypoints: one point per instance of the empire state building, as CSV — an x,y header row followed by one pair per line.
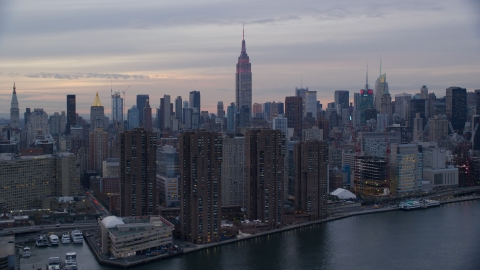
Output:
x,y
243,86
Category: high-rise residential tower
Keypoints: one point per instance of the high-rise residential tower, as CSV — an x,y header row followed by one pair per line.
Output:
x,y
265,152
71,112
243,81
311,175
200,188
138,189
14,110
234,172
456,107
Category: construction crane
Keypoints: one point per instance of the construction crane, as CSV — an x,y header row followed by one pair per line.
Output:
x,y
123,109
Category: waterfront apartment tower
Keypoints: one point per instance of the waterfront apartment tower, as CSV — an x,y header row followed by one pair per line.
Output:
x,y
234,177
311,175
14,110
200,188
243,81
456,108
265,152
138,189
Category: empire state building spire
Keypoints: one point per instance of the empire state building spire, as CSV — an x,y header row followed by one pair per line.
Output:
x,y
243,86
14,111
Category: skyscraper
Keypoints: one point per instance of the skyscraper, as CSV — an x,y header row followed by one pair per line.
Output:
x,y
342,98
231,118
14,110
71,112
311,175
179,109
381,86
294,114
117,108
243,81
166,112
97,114
265,152
141,101
402,105
147,116
200,188
138,189
220,110
194,103
311,104
133,117
456,107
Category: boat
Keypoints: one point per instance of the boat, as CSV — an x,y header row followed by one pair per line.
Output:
x,y
77,237
41,241
409,205
431,203
54,263
53,239
71,261
66,238
26,252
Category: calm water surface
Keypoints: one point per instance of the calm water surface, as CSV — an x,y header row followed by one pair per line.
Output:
x,y
446,237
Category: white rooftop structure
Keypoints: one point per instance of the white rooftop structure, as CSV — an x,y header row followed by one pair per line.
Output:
x,y
343,194
112,221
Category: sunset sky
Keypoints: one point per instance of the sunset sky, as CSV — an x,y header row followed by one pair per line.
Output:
x,y
54,48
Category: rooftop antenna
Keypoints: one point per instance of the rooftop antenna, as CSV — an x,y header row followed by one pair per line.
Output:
x,y
366,85
380,65
243,34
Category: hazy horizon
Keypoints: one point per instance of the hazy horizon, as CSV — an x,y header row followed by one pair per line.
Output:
x,y
54,48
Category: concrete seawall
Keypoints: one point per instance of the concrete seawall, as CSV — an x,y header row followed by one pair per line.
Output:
x,y
122,264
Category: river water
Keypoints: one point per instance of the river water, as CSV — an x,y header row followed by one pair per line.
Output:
x,y
446,237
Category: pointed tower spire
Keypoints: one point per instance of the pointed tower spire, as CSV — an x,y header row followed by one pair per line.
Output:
x,y
97,102
244,49
366,81
380,65
14,88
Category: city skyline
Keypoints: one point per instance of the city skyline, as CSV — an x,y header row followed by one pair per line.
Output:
x,y
54,49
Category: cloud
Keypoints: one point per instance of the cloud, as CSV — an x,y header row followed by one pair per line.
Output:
x,y
76,76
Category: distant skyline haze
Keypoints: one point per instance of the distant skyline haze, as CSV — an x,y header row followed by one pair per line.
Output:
x,y
54,48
